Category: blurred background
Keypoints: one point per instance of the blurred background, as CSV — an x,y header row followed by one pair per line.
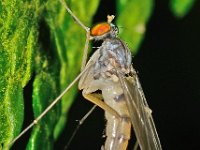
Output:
x,y
168,64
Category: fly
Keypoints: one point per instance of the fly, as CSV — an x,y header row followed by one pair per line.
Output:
x,y
122,97
110,71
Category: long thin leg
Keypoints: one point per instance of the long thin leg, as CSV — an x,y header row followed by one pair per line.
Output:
x,y
74,16
78,126
48,108
85,52
94,98
121,135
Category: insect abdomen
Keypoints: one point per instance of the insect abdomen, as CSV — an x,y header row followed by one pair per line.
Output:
x,y
118,130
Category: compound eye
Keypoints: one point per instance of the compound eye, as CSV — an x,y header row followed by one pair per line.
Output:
x,y
100,29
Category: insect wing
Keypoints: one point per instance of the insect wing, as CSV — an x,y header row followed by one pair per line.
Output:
x,y
140,113
86,78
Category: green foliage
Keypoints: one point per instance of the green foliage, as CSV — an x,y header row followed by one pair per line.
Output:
x,y
133,16
36,39
17,35
70,49
181,7
40,41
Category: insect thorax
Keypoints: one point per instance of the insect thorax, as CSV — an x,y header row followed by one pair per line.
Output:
x,y
114,56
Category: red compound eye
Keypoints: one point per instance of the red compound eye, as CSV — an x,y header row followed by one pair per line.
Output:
x,y
100,29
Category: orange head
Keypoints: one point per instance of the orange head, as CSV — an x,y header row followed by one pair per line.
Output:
x,y
104,30
100,29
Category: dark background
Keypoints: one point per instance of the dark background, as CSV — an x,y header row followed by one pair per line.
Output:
x,y
168,63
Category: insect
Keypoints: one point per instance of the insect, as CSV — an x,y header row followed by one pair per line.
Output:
x,y
109,81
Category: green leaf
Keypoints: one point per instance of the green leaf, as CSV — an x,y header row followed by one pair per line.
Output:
x,y
180,8
66,42
45,90
11,110
132,18
16,62
39,38
69,38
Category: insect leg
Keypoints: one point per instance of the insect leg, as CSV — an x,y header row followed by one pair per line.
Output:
x,y
95,98
48,108
85,52
118,140
87,29
74,16
80,122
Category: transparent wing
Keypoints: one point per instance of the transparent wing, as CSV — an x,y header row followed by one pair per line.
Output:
x,y
86,78
140,113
